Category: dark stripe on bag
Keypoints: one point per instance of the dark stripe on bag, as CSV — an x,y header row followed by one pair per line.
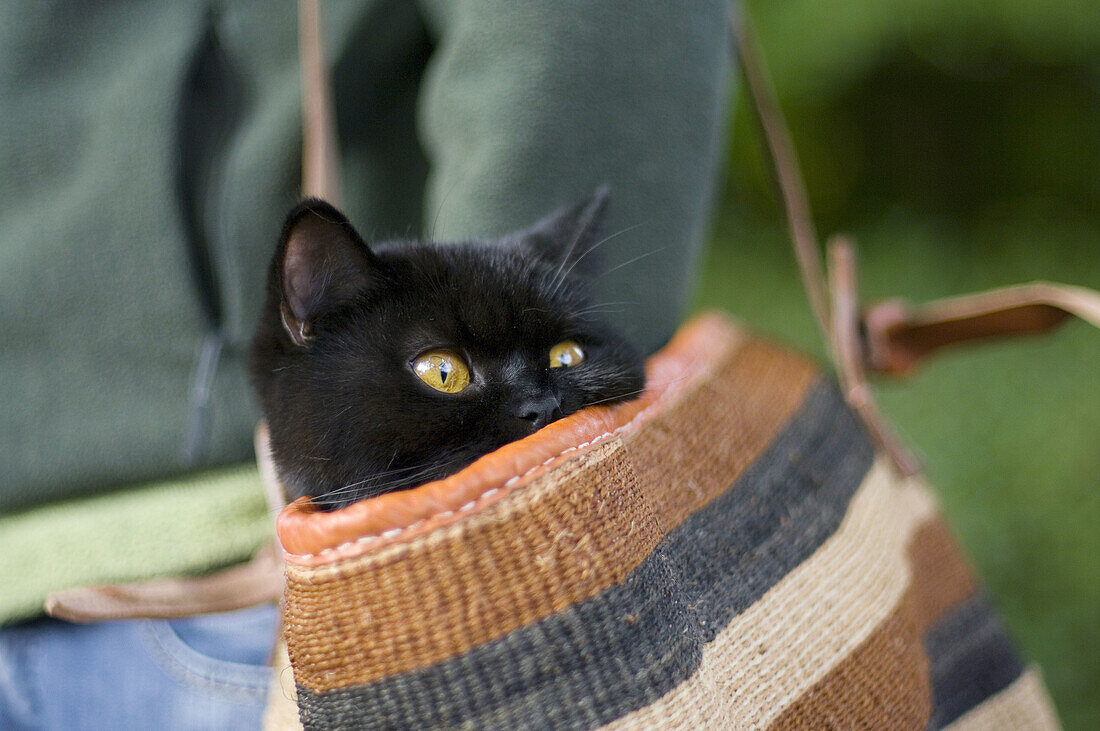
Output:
x,y
632,643
971,658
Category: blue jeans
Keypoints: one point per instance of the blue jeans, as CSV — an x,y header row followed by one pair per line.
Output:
x,y
206,672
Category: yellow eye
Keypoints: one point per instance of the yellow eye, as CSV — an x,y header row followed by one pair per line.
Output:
x,y
565,354
443,370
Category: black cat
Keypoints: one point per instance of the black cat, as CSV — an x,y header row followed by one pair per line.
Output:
x,y
381,368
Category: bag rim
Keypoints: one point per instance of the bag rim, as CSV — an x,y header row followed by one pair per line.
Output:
x,y
312,537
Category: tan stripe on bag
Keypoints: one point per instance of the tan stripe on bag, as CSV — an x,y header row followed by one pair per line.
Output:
x,y
890,666
807,624
882,684
1022,706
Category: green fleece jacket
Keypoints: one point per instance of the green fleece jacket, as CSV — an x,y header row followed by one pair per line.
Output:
x,y
148,152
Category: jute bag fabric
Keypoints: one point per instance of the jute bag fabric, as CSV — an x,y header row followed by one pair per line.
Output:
x,y
728,551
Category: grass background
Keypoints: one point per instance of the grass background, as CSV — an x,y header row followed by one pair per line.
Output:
x,y
959,142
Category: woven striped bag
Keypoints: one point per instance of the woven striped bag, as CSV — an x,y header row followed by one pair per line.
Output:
x,y
744,546
729,551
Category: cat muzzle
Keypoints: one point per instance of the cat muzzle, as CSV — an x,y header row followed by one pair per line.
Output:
x,y
538,411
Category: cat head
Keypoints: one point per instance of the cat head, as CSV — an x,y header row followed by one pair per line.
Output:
x,y
382,367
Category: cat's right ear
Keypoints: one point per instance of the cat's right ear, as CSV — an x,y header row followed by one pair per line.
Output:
x,y
321,264
568,235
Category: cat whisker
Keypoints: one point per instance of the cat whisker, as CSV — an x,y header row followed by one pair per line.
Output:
x,y
439,208
559,280
328,431
616,397
408,473
384,481
601,308
565,257
611,311
384,474
631,261
648,386
598,305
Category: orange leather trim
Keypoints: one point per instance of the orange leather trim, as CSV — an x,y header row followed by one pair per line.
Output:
x,y
306,532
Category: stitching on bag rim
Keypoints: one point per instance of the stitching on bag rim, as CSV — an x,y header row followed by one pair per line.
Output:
x,y
472,506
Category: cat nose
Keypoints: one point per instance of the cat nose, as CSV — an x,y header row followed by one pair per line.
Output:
x,y
539,410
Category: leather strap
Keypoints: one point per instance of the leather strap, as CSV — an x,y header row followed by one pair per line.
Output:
x,y
783,160
259,581
320,150
899,335
846,344
891,337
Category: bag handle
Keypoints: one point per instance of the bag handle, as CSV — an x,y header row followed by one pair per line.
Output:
x,y
891,337
320,149
900,335
783,165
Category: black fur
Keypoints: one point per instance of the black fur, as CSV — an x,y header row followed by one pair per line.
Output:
x,y
331,356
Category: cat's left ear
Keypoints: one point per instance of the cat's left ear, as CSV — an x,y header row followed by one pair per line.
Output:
x,y
567,235
322,264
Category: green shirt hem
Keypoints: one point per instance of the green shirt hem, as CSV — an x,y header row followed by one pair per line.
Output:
x,y
184,526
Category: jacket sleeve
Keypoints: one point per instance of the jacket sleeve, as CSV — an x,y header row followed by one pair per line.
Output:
x,y
528,106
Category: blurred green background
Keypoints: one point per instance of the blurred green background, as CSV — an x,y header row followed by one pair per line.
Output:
x,y
959,142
